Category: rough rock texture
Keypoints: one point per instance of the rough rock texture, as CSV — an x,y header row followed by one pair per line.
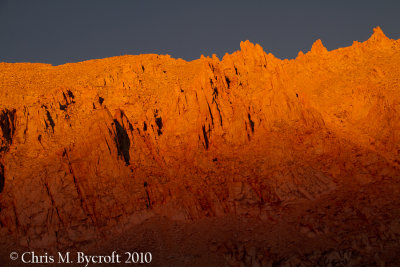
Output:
x,y
94,147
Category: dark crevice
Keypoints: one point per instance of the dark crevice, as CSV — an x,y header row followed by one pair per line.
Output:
x,y
211,66
7,124
130,126
144,126
50,119
219,112
228,82
26,113
101,100
251,122
65,97
122,142
159,122
108,146
214,100
209,109
68,98
215,93
205,137
148,204
51,198
159,125
70,94
63,107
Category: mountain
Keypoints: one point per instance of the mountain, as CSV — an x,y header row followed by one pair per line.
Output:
x,y
92,149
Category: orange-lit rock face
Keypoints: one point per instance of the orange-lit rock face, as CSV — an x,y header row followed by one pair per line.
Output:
x,y
90,146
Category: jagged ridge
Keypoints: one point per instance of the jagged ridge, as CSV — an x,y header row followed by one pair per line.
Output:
x,y
100,143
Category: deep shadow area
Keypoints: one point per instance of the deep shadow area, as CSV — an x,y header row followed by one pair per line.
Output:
x,y
122,142
7,124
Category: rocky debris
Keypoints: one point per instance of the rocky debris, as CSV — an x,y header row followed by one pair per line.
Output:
x,y
240,255
84,156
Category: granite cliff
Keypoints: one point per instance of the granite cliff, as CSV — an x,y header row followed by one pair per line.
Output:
x,y
91,148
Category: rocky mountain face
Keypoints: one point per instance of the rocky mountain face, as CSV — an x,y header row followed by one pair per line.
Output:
x,y
90,148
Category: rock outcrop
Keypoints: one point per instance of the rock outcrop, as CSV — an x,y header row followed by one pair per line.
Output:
x,y
92,147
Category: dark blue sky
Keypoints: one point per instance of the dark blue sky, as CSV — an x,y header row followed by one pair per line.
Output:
x,y
57,31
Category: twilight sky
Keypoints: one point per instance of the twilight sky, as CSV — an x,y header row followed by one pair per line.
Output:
x,y
63,31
